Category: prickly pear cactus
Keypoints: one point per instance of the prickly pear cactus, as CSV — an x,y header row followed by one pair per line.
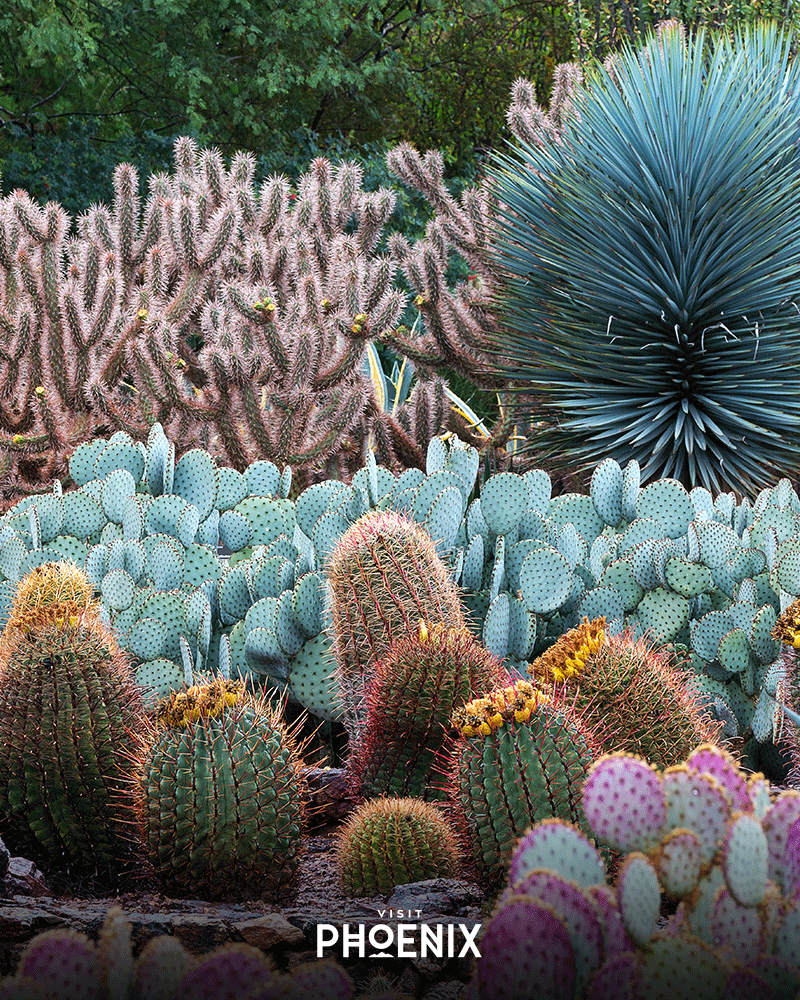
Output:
x,y
68,708
410,700
220,795
68,965
707,573
703,834
520,756
391,841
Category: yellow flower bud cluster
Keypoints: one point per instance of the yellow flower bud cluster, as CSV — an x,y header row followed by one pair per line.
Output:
x,y
206,701
787,628
266,304
568,656
358,323
483,716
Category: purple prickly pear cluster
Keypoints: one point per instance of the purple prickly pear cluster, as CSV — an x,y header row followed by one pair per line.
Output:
x,y
68,965
702,834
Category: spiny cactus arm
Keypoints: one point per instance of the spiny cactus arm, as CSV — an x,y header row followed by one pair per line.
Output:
x,y
46,400
230,434
376,209
342,368
256,417
260,322
423,173
422,351
16,377
126,212
392,443
348,408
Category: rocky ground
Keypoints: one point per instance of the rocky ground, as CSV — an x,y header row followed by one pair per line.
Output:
x,y
28,905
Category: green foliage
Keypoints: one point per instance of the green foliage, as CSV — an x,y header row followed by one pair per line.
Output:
x,y
240,71
75,165
600,26
464,62
653,263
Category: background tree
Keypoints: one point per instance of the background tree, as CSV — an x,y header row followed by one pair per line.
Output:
x,y
600,26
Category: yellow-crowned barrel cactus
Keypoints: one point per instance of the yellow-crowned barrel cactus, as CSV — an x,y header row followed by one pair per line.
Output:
x,y
520,756
68,708
221,795
385,576
389,842
631,686
416,687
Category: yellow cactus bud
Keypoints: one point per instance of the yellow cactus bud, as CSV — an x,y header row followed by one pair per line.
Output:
x,y
787,628
568,656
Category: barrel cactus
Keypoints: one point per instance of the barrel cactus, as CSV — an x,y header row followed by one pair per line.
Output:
x,y
389,842
635,688
221,796
410,700
52,583
520,755
787,631
385,575
68,708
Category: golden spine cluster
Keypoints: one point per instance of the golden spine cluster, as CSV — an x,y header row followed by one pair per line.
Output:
x,y
787,628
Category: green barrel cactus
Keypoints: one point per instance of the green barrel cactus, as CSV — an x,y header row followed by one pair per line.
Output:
x,y
221,796
68,708
410,700
389,842
635,689
384,575
52,583
520,756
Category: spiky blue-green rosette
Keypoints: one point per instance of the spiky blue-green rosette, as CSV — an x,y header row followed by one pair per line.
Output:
x,y
653,263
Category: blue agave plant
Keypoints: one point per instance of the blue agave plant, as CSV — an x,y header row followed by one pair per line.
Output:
x,y
653,263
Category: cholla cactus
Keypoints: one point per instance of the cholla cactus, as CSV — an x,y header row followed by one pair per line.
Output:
x,y
458,323
282,289
529,122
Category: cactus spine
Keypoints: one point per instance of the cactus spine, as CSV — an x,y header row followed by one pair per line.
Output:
x,y
221,795
635,689
520,756
68,708
385,577
416,687
389,842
